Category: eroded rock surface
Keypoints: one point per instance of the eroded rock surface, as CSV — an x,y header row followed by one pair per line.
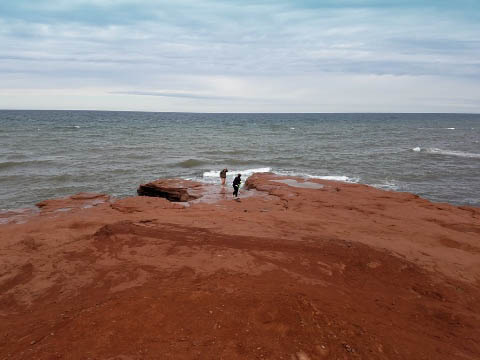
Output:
x,y
173,189
338,271
80,200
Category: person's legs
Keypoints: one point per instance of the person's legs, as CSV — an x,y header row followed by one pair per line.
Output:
x,y
223,181
235,190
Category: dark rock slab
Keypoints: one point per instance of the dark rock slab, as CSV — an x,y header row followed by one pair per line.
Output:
x,y
173,189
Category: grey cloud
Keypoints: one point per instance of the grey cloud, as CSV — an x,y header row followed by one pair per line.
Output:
x,y
185,95
46,59
125,43
400,68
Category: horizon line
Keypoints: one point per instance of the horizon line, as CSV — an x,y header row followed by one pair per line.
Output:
x,y
255,112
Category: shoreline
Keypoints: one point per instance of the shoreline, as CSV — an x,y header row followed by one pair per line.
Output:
x,y
33,208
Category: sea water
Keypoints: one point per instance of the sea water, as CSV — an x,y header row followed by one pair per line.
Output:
x,y
48,154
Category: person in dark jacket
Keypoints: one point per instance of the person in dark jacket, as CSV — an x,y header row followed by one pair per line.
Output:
x,y
236,184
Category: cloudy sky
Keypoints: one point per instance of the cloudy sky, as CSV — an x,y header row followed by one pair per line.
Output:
x,y
241,55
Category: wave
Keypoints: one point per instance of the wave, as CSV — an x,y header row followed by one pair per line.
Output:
x,y
386,185
214,174
246,172
342,178
16,157
137,155
437,151
451,128
238,162
61,127
334,178
235,152
12,164
190,163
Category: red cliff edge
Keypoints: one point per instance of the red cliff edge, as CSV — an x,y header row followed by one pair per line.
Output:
x,y
295,269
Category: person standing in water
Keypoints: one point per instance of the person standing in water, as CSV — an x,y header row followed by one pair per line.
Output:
x,y
236,184
223,175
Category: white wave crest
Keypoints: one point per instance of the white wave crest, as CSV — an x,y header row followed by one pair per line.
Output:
x,y
342,178
386,185
437,151
334,178
246,172
213,175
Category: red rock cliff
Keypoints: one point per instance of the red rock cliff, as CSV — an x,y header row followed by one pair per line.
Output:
x,y
293,270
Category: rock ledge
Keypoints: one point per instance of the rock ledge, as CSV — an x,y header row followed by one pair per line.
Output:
x,y
176,190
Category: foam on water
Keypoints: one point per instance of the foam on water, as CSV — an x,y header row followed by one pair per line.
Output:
x,y
437,151
247,172
386,185
334,178
232,173
453,153
342,178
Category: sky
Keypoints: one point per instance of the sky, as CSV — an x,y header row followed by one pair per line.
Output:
x,y
241,55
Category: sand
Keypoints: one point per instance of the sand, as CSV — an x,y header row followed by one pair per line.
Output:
x,y
289,271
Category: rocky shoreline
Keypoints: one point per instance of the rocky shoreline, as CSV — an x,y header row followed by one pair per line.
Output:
x,y
295,269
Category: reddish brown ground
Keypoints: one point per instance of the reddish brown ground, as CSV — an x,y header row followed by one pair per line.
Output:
x,y
342,272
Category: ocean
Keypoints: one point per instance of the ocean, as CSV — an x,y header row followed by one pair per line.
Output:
x,y
48,154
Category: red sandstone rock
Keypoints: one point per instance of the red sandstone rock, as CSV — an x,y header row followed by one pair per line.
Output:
x,y
342,271
80,200
172,189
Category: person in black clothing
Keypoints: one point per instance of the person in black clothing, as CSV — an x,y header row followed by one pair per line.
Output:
x,y
236,184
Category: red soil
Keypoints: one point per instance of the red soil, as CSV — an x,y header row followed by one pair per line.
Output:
x,y
341,272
